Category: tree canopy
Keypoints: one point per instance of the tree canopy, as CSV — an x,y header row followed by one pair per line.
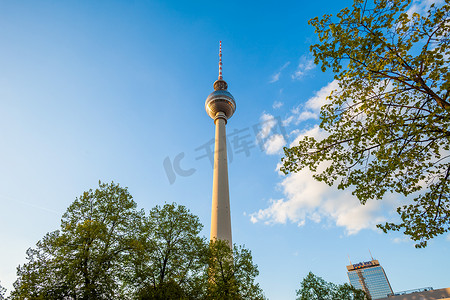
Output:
x,y
2,292
313,287
387,125
171,256
85,258
107,249
231,273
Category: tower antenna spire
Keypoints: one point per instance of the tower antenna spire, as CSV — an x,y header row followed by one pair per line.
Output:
x,y
349,259
220,60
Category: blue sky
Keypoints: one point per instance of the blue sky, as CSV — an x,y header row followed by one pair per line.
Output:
x,y
109,90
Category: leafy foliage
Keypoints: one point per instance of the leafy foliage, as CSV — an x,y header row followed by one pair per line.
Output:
x,y
313,287
170,259
107,249
86,257
231,273
2,292
388,122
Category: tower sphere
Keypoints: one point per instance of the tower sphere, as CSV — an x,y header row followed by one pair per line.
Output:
x,y
220,101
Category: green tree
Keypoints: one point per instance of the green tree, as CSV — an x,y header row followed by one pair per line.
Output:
x,y
85,259
107,249
231,273
388,122
2,292
170,260
313,287
43,276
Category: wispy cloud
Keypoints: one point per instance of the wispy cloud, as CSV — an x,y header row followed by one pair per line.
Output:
x,y
268,122
422,6
271,141
305,65
307,199
277,104
276,76
399,240
311,109
306,115
43,208
288,121
274,144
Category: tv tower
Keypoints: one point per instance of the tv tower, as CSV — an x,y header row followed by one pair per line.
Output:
x,y
220,106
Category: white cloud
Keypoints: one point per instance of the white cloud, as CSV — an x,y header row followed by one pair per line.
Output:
x,y
294,132
306,115
296,110
276,76
274,144
305,65
314,132
268,122
305,199
320,97
277,104
311,109
399,240
285,65
422,6
287,121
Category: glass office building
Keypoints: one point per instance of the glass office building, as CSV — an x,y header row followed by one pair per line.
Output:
x,y
369,276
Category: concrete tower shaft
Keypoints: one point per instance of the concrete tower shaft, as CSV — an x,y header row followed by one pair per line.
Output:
x,y
220,208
